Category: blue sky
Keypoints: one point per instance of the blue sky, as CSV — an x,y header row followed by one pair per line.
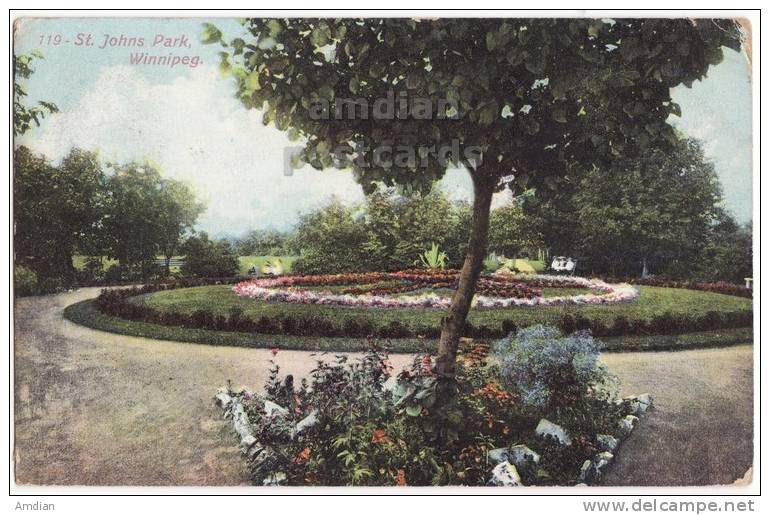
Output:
x,y
186,120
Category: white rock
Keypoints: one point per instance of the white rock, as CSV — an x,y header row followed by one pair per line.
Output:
x,y
640,403
626,425
607,442
223,400
247,442
305,424
275,479
521,455
587,472
591,471
645,398
390,383
547,428
605,456
498,455
241,424
505,474
272,409
254,450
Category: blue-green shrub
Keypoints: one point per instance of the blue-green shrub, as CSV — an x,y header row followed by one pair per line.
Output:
x,y
549,370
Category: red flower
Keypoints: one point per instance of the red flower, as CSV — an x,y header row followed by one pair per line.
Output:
x,y
427,366
302,456
379,436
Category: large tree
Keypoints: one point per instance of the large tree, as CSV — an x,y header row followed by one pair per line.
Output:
x,y
56,208
179,211
650,212
524,100
653,212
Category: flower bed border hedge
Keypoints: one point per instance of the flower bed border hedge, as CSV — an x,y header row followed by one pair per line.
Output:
x,y
116,303
86,313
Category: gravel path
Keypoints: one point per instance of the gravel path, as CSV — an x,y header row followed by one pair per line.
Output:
x,y
94,408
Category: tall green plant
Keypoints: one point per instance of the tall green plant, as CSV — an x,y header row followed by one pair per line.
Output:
x,y
433,259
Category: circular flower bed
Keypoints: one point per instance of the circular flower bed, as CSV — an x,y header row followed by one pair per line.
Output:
x,y
386,290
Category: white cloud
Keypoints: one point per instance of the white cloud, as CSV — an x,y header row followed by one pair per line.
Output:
x,y
195,130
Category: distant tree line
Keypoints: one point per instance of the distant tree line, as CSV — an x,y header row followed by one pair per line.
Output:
x,y
125,212
390,230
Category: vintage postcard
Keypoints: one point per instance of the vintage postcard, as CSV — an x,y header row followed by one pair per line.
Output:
x,y
384,251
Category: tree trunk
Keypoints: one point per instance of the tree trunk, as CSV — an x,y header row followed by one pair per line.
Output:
x,y
453,323
645,272
168,256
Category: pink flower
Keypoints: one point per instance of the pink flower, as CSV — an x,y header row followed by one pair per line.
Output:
x,y
274,350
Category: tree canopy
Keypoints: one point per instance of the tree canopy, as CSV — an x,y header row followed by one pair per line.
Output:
x,y
534,95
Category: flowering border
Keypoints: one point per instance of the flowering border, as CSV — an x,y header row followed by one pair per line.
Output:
x,y
288,289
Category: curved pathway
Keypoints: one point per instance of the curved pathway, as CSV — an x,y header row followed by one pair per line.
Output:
x,y
94,408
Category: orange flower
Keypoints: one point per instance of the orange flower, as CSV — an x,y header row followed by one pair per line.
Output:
x,y
401,477
379,436
302,456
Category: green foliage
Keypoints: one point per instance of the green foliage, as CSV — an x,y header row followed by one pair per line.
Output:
x,y
92,270
265,243
55,210
179,209
24,116
332,240
491,263
662,208
511,234
538,97
607,92
726,254
400,226
24,280
85,313
206,258
126,212
550,370
245,263
389,230
433,259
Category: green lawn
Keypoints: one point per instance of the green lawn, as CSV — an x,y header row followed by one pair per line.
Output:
x,y
85,313
652,302
246,262
79,261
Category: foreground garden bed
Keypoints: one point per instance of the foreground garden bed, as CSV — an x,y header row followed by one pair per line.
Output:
x,y
541,410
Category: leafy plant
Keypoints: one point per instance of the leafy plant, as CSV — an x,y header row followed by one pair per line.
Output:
x,y
433,259
492,263
24,280
550,370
